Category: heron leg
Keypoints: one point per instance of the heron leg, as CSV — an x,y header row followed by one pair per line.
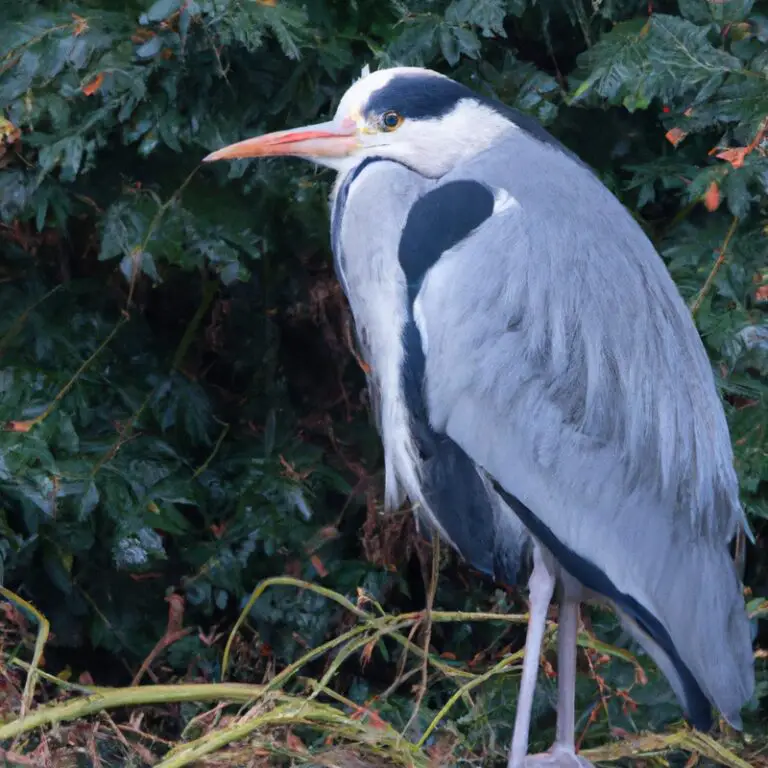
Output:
x,y
567,630
563,751
541,586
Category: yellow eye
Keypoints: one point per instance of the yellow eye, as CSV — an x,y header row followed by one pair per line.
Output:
x,y
391,120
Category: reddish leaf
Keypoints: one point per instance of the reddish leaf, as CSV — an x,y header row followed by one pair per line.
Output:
x,y
712,197
81,25
318,565
675,135
20,426
175,613
734,156
294,742
94,85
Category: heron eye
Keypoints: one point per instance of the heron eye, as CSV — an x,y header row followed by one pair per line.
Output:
x,y
391,120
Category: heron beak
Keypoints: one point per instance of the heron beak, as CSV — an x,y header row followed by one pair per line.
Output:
x,y
331,139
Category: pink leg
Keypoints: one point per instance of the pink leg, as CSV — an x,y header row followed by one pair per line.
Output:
x,y
567,629
541,585
563,752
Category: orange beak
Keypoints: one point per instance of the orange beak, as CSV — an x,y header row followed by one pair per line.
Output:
x,y
322,140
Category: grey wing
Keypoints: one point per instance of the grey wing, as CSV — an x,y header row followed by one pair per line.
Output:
x,y
373,207
561,358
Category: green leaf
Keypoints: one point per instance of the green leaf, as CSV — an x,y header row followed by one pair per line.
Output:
x,y
468,42
449,45
697,11
88,500
162,9
487,14
151,48
737,192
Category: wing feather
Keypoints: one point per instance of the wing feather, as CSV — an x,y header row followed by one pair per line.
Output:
x,y
563,360
380,270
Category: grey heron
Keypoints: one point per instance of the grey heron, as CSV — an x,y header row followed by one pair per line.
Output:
x,y
540,384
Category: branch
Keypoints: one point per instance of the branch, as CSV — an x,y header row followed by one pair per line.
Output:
x,y
701,295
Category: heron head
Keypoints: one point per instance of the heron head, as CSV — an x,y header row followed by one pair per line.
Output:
x,y
414,116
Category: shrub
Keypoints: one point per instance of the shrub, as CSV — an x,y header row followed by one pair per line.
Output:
x,y
183,416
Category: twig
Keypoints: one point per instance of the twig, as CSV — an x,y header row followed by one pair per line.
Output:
x,y
701,295
282,581
437,616
691,741
43,631
25,426
18,323
66,684
167,639
502,666
156,219
323,716
112,698
431,590
199,471
210,287
178,356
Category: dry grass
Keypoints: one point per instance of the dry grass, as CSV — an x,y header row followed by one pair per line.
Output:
x,y
253,725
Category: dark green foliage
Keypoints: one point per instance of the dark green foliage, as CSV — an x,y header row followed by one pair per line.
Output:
x,y
182,412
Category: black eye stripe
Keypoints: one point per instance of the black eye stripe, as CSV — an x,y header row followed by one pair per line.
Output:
x,y
427,97
418,97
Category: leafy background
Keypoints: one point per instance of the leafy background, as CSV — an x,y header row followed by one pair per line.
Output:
x,y
183,415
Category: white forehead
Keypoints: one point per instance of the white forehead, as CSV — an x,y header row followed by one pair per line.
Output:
x,y
361,90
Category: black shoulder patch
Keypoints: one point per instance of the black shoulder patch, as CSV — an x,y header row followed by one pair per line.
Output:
x,y
438,221
699,710
450,482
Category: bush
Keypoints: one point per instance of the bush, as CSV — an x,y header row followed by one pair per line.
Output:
x,y
183,415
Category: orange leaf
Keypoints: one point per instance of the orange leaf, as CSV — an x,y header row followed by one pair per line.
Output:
x,y
712,197
734,156
761,294
367,653
9,133
675,135
270,3
175,612
318,564
81,25
375,720
94,85
20,426
294,742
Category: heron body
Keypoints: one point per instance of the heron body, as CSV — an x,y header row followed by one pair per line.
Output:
x,y
539,381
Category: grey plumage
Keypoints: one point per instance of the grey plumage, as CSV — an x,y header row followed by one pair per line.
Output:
x,y
561,376
538,379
